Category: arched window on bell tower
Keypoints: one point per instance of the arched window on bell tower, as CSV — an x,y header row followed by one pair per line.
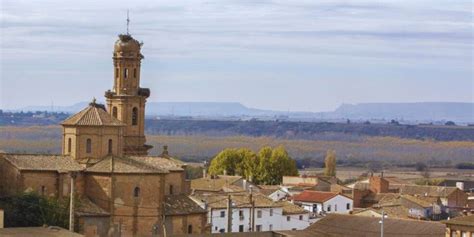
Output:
x,y
125,73
134,73
114,112
134,116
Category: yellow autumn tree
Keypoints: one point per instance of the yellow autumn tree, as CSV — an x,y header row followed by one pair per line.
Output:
x,y
330,163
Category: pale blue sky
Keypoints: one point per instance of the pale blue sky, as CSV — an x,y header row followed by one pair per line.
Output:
x,y
283,55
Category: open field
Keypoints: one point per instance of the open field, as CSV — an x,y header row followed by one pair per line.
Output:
x,y
409,174
388,151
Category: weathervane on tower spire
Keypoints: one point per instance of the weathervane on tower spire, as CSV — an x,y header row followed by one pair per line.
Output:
x,y
128,22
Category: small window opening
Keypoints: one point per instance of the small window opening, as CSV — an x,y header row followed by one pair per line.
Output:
x,y
114,112
135,116
136,192
69,145
89,145
125,72
110,146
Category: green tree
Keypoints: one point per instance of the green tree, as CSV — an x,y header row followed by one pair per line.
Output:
x,y
330,163
227,161
31,209
264,165
281,165
250,164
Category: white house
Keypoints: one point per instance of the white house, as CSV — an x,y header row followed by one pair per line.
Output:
x,y
274,192
268,215
324,202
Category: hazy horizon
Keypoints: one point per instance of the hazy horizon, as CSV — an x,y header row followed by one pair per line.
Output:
x,y
277,55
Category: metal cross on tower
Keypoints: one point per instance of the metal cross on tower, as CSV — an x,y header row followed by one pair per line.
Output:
x,y
128,22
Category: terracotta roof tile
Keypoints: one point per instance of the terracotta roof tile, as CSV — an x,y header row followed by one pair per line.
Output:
x,y
42,162
136,164
313,196
213,184
93,115
363,226
429,191
465,220
219,201
291,209
181,205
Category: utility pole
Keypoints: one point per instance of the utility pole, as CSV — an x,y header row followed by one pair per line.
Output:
x,y
163,217
252,212
381,223
229,214
71,202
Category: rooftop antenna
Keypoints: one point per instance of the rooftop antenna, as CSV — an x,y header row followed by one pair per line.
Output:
x,y
128,22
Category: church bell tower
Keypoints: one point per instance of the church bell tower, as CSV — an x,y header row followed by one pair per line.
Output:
x,y
126,101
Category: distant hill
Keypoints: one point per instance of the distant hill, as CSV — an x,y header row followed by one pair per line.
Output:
x,y
419,112
460,112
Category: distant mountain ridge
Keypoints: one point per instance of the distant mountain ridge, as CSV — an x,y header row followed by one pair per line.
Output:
x,y
423,111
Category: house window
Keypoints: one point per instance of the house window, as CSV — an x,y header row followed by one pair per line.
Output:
x,y
329,208
110,146
114,112
271,212
135,73
136,192
134,116
125,72
222,213
221,230
348,206
288,218
190,229
335,207
301,217
270,227
43,190
88,145
259,214
241,215
69,144
171,189
241,228
259,228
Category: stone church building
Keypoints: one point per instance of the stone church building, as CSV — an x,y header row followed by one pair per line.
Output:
x,y
119,189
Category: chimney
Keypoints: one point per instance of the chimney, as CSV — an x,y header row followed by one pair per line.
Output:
x,y
165,151
460,185
204,172
244,184
225,172
381,174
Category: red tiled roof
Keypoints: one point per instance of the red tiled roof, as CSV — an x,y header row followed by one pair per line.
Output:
x,y
314,196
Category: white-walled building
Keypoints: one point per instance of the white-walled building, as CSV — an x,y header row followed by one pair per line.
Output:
x,y
269,215
274,192
323,202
